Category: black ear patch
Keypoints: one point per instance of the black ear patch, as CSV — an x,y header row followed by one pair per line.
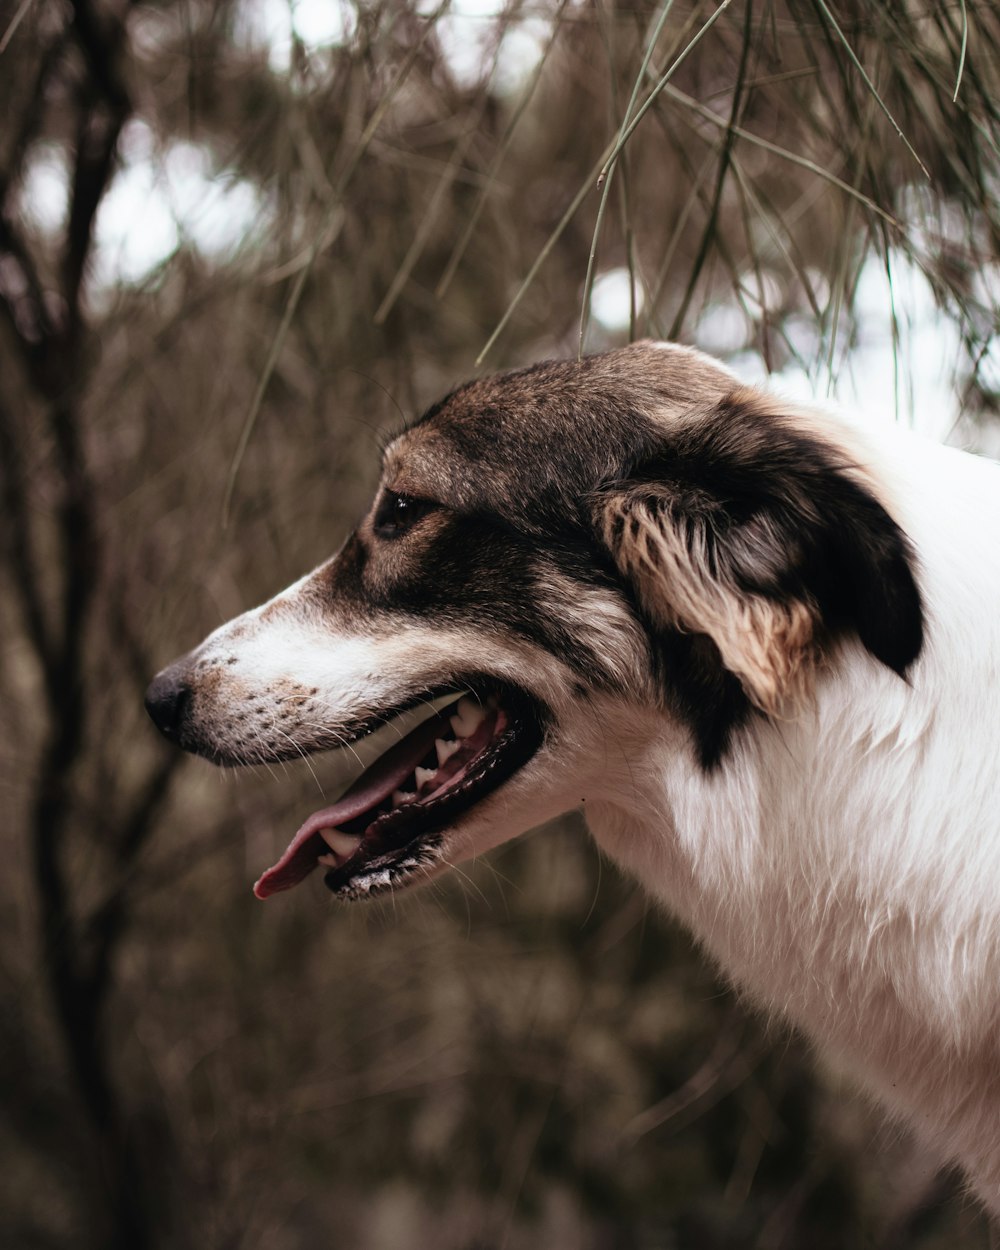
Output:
x,y
869,583
751,532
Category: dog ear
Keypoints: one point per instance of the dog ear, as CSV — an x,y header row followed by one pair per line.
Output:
x,y
760,537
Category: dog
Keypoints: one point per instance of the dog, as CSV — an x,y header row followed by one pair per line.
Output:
x,y
758,645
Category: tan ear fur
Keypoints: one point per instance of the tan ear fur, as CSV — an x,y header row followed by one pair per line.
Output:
x,y
767,645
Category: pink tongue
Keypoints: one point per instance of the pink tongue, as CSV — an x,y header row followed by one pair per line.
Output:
x,y
373,786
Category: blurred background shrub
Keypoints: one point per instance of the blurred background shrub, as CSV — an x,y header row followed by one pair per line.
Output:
x,y
239,241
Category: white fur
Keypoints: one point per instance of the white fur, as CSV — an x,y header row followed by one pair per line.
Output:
x,y
844,867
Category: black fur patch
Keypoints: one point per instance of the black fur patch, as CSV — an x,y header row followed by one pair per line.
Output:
x,y
467,570
776,514
793,523
701,691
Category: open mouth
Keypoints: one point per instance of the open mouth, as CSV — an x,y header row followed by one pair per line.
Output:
x,y
388,824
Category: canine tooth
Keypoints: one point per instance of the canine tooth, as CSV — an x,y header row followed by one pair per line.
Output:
x,y
343,844
424,775
328,861
445,750
399,797
470,717
343,766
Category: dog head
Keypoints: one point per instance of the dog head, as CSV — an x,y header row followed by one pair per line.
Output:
x,y
552,557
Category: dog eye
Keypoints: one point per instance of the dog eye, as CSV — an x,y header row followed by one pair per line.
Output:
x,y
397,513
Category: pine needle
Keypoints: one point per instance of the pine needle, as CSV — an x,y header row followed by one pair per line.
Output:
x,y
660,86
961,59
871,86
608,175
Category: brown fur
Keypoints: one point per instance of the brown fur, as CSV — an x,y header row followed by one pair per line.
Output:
x,y
767,644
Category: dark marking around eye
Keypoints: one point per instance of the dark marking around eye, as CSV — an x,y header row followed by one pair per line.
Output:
x,y
396,514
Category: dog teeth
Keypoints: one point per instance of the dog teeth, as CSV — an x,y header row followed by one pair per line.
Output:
x,y
328,861
424,775
468,718
399,797
342,844
445,750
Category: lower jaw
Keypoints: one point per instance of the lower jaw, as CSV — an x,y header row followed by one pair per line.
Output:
x,y
387,873
391,854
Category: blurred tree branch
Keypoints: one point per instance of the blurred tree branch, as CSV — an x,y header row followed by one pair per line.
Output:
x,y
49,328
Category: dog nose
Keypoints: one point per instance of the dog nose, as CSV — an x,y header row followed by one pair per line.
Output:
x,y
168,699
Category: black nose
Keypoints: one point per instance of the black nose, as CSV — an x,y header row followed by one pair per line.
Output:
x,y
168,700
